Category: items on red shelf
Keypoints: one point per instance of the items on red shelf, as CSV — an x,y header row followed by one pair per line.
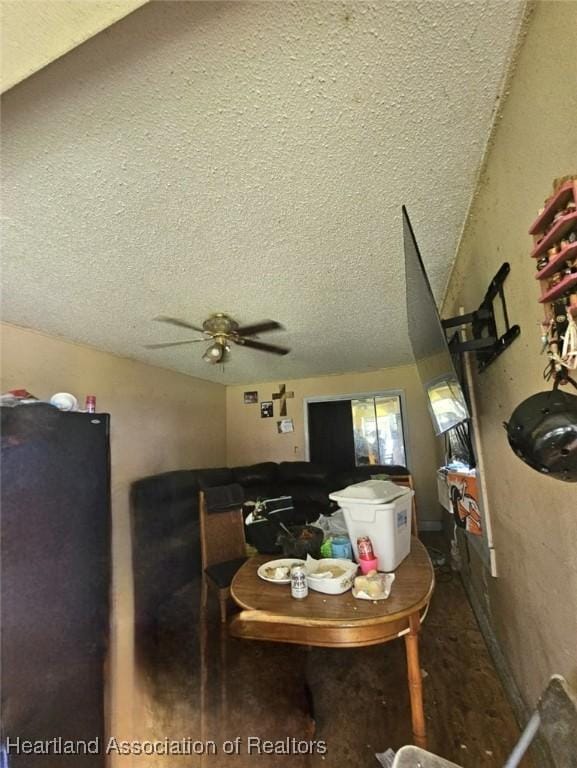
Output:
x,y
555,248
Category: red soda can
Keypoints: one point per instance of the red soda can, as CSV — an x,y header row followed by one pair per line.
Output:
x,y
365,548
90,404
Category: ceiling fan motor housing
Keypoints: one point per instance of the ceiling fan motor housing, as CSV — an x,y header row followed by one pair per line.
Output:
x,y
220,324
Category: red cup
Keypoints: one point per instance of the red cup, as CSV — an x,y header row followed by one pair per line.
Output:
x,y
368,565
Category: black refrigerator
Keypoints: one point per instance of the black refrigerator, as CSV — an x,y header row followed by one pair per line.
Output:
x,y
55,571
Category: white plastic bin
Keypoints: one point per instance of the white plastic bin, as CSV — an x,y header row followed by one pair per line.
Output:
x,y
380,510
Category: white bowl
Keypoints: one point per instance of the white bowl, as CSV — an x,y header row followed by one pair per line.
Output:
x,y
331,586
64,401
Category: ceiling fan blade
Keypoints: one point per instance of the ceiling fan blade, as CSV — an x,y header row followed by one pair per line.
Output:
x,y
264,325
178,323
171,344
263,347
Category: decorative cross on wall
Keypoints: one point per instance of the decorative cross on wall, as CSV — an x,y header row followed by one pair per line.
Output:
x,y
282,395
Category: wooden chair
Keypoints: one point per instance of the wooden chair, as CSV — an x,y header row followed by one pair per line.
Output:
x,y
223,551
407,482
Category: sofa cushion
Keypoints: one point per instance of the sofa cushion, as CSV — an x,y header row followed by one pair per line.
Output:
x,y
305,492
265,474
208,478
302,472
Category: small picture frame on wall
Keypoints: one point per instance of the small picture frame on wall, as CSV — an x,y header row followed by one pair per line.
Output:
x,y
250,398
284,426
266,409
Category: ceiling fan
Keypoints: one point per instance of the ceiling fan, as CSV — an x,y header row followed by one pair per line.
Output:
x,y
220,330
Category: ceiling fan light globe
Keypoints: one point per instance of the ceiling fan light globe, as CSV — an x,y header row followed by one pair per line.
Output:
x,y
214,353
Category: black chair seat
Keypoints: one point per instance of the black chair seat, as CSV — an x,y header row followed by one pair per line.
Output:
x,y
222,574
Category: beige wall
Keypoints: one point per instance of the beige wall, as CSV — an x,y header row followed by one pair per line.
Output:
x,y
252,439
533,604
160,420
34,33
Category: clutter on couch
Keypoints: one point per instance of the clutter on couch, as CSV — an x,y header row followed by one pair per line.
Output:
x,y
266,519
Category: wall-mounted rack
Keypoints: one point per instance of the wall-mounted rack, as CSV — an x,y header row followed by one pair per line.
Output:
x,y
486,342
554,234
565,254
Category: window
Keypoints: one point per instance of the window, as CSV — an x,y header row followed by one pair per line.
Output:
x,y
378,431
344,431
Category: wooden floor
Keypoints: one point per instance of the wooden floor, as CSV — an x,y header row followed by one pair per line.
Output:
x,y
203,685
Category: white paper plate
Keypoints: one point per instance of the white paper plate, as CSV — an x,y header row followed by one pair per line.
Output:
x,y
388,578
287,562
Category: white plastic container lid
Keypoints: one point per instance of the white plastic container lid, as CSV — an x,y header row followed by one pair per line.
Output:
x,y
371,492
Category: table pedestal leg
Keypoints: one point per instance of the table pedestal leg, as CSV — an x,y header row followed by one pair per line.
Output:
x,y
415,681
224,675
203,668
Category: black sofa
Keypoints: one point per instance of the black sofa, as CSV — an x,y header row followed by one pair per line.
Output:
x,y
165,525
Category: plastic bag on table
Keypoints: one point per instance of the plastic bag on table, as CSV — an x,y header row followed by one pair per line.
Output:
x,y
334,525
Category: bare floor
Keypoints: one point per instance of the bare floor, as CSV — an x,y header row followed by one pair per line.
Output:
x,y
322,707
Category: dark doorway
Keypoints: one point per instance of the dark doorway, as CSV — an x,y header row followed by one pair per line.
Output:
x,y
331,438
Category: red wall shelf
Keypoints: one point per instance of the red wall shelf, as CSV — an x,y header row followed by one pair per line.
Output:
x,y
551,233
557,203
558,290
555,234
569,252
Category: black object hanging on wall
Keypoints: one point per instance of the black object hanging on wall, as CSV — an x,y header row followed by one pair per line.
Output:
x,y
543,433
486,343
55,528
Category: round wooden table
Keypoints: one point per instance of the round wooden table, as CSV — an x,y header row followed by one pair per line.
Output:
x,y
341,621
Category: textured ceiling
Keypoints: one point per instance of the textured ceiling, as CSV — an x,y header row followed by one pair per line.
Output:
x,y
248,158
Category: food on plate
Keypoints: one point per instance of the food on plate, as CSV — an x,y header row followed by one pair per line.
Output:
x,y
331,576
278,572
373,585
332,571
